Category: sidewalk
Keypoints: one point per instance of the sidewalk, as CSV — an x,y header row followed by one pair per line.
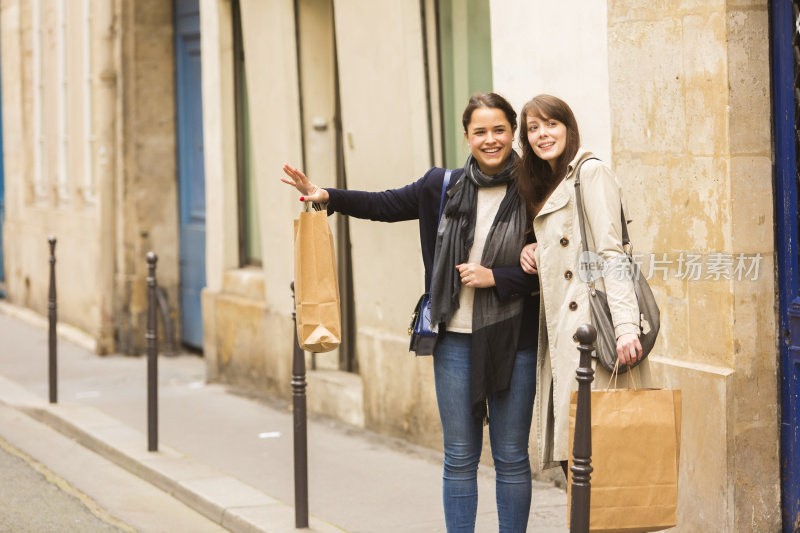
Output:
x,y
230,457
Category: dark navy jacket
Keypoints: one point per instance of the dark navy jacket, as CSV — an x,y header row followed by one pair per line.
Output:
x,y
420,200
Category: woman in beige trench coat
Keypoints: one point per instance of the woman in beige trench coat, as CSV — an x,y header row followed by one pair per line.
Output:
x,y
551,155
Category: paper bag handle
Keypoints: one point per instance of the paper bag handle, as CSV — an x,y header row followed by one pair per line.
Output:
x,y
615,374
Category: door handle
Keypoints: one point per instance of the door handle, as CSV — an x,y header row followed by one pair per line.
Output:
x,y
319,124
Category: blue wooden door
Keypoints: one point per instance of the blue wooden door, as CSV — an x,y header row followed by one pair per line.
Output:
x,y
191,176
785,84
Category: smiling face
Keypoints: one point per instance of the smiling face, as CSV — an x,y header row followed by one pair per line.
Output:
x,y
547,137
490,136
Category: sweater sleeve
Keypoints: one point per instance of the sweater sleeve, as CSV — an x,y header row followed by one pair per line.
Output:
x,y
392,205
512,281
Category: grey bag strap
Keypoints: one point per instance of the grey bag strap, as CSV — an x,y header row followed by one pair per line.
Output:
x,y
581,217
648,307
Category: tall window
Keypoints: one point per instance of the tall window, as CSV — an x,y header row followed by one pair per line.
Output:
x,y
249,229
465,67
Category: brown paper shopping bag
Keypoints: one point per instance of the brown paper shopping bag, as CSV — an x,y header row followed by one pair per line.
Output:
x,y
636,437
316,287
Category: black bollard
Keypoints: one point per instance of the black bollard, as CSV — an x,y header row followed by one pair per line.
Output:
x,y
52,318
582,442
152,354
300,431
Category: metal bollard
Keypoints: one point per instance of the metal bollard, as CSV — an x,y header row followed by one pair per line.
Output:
x,y
300,430
582,444
52,318
152,354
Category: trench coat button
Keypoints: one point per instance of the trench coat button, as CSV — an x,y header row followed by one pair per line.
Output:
x,y
573,306
568,275
564,241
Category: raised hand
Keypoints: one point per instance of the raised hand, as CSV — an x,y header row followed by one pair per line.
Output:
x,y
298,180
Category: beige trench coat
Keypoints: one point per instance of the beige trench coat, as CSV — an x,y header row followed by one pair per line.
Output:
x,y
564,298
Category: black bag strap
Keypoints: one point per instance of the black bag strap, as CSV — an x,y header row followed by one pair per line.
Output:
x,y
579,200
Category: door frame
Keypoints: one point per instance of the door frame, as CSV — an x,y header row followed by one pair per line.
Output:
x,y
782,30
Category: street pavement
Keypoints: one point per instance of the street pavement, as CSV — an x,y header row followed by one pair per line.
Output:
x,y
223,454
30,500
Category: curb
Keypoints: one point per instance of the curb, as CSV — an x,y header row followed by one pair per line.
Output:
x,y
223,499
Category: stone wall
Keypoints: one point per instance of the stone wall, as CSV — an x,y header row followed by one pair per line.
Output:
x,y
146,196
91,161
45,189
689,87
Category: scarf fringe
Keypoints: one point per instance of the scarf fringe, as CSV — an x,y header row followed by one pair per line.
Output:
x,y
480,412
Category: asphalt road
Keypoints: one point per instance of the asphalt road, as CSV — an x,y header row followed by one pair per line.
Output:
x,y
34,499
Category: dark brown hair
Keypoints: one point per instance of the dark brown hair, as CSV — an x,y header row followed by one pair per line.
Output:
x,y
535,179
491,101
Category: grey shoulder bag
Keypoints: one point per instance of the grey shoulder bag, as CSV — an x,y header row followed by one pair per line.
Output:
x,y
649,315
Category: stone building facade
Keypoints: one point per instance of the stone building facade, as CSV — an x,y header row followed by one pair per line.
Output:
x,y
88,111
677,95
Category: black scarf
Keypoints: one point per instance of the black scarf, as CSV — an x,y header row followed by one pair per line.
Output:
x,y
495,324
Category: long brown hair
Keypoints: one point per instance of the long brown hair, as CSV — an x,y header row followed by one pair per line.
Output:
x,y
535,179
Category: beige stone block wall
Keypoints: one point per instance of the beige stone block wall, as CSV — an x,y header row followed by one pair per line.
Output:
x,y
705,479
60,210
109,197
239,324
250,349
28,268
399,396
691,135
755,409
339,395
146,188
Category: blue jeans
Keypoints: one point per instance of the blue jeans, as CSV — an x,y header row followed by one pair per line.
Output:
x,y
509,429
